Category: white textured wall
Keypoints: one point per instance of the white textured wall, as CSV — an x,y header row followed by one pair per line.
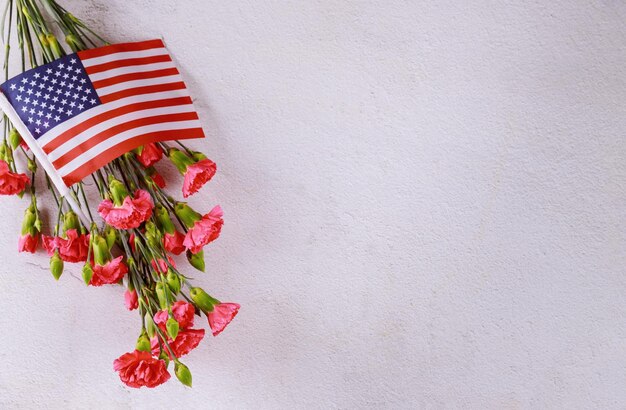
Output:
x,y
425,208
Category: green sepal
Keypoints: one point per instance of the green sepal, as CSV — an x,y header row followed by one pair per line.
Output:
x,y
180,160
162,295
173,281
118,191
196,259
187,215
202,299
163,219
143,342
172,327
87,273
150,326
101,253
14,138
70,221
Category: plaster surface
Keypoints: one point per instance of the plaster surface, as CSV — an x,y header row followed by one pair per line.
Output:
x,y
425,207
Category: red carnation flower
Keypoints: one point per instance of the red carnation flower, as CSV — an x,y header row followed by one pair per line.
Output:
x,y
130,300
28,243
185,342
10,182
139,369
162,265
150,154
73,248
183,313
110,273
174,242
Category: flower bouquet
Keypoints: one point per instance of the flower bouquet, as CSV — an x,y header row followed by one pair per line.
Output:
x,y
108,114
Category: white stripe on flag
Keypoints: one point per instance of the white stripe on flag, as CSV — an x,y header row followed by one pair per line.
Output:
x,y
138,83
98,149
105,125
114,72
124,55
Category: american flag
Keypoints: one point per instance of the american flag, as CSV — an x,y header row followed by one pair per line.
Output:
x,y
85,109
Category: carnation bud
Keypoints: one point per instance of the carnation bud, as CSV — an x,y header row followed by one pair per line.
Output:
x,y
14,138
110,235
182,373
3,152
179,159
87,273
143,343
163,219
101,254
173,281
162,292
202,299
118,191
172,328
70,221
196,259
56,265
187,214
28,223
150,326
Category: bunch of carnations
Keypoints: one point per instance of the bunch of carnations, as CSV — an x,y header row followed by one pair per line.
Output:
x,y
140,227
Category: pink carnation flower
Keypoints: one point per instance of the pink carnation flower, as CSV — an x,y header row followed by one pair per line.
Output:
x,y
183,313
221,316
110,273
132,213
27,243
150,154
162,265
205,230
174,242
73,249
10,182
197,175
139,369
185,342
130,300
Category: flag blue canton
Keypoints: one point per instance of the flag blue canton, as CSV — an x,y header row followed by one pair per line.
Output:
x,y
51,94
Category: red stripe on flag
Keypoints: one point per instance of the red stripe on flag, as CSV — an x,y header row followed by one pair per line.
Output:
x,y
116,112
135,76
123,147
118,48
127,63
148,89
113,131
